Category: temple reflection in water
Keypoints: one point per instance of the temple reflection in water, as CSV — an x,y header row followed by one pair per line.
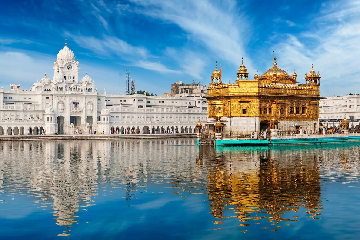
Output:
x,y
256,185
260,180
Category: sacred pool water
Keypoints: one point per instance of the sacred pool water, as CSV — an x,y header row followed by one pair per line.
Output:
x,y
172,189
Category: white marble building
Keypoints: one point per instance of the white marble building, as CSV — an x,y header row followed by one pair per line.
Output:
x,y
65,105
332,110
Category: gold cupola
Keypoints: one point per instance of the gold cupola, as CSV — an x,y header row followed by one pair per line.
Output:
x,y
242,72
312,77
215,74
276,75
294,75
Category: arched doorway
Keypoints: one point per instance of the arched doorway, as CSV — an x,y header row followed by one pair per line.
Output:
x,y
60,124
16,131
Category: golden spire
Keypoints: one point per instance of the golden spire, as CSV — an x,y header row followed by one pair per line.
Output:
x,y
275,63
65,41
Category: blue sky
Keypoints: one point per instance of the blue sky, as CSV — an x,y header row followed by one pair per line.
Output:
x,y
162,42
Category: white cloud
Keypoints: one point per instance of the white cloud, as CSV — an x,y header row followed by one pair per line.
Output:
x,y
190,62
332,45
109,45
19,67
155,66
214,24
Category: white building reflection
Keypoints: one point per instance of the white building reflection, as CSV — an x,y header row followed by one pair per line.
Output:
x,y
68,174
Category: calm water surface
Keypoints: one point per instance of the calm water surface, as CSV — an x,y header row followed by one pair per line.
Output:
x,y
171,189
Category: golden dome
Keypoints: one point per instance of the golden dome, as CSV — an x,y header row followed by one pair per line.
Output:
x,y
242,68
256,76
275,71
199,123
218,124
216,72
294,75
312,72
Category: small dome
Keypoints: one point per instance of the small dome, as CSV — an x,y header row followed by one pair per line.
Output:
x,y
256,76
242,68
86,79
218,124
66,54
312,72
294,75
199,123
216,72
45,80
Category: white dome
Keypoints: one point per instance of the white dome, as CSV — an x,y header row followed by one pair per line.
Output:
x,y
45,80
66,54
86,79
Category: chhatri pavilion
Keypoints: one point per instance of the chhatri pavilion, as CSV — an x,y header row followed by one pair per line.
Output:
x,y
273,100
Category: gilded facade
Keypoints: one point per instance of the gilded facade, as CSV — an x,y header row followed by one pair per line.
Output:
x,y
273,100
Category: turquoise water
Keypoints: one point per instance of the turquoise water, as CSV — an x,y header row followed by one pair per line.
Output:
x,y
172,189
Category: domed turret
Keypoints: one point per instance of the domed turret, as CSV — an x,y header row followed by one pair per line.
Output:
x,y
66,54
45,80
242,71
312,77
256,76
294,75
277,75
215,74
86,79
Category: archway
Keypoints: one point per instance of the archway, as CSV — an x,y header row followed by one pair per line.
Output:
x,y
60,124
112,130
146,130
36,131
264,125
1,130
117,129
9,131
22,131
182,129
16,131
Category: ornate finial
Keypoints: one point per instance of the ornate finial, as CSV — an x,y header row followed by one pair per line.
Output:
x,y
242,60
65,41
216,64
275,62
312,67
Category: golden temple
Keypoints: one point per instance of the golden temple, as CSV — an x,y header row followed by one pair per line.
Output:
x,y
273,100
